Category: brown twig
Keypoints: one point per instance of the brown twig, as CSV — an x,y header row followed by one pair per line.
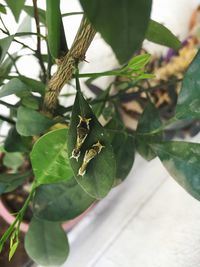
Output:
x,y
39,54
67,65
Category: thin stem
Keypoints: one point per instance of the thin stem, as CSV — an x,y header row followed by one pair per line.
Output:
x,y
7,104
24,45
78,87
120,131
97,74
49,64
21,43
39,54
18,218
162,127
9,120
7,31
18,34
14,63
72,14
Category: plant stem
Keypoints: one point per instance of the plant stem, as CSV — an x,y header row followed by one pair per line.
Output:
x,y
18,218
7,31
38,54
72,14
7,104
18,34
66,67
21,43
14,63
9,120
98,74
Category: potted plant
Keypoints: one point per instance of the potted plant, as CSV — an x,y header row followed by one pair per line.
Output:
x,y
62,156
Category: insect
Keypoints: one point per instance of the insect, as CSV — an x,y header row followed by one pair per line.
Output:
x,y
82,132
89,155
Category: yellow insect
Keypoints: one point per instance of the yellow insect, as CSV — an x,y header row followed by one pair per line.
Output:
x,y
83,129
89,155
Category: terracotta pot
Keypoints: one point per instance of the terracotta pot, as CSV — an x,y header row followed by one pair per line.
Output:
x,y
67,226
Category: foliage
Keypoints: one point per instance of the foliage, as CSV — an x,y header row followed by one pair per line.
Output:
x,y
74,158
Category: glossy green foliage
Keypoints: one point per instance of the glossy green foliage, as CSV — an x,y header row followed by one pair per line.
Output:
x,y
56,34
123,143
31,102
60,202
22,85
182,160
159,34
4,46
148,122
10,181
34,85
46,243
31,122
6,66
123,24
101,171
24,27
188,105
14,86
17,143
30,11
16,7
13,160
2,9
53,165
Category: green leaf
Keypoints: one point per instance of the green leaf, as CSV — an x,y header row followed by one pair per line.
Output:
x,y
17,143
46,243
21,85
2,9
101,170
31,122
4,46
6,66
34,85
101,99
10,181
25,26
60,202
49,158
148,122
122,25
123,143
182,161
16,7
188,105
14,86
30,102
13,250
56,34
159,34
13,160
30,11
138,62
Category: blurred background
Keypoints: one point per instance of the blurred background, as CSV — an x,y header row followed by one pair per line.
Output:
x,y
149,221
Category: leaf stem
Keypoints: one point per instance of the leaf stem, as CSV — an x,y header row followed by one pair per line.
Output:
x,y
9,120
72,14
19,42
18,218
39,54
6,29
14,63
78,87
